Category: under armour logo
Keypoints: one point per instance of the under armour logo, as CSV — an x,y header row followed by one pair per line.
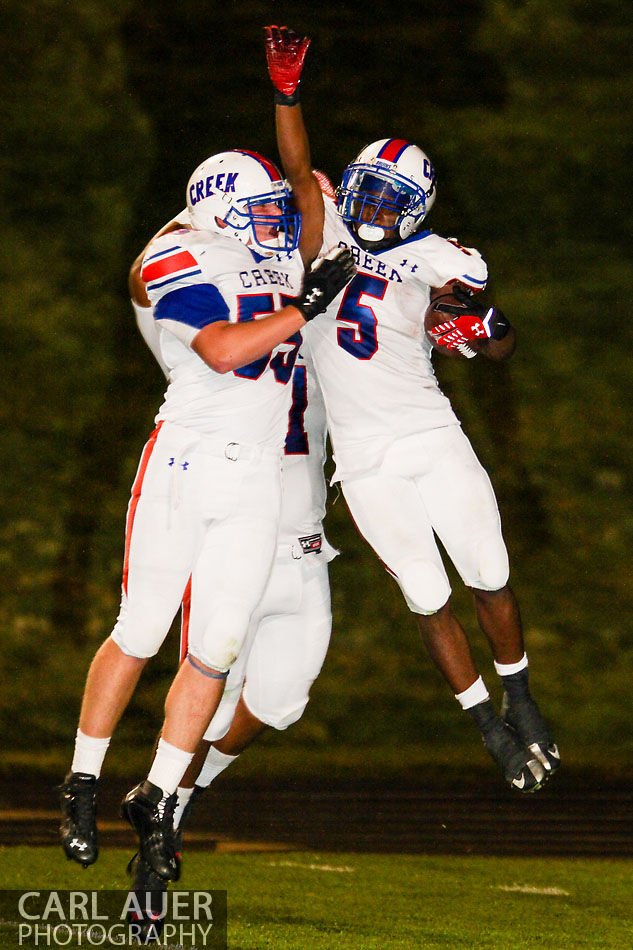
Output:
x,y
183,465
78,845
478,330
314,295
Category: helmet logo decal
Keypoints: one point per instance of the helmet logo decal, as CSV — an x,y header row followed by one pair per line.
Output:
x,y
204,188
242,195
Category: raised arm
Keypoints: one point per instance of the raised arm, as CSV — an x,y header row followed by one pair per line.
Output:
x,y
285,54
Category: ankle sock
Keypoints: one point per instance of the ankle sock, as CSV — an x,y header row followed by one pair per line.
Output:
x,y
507,669
89,754
476,693
184,795
169,765
214,764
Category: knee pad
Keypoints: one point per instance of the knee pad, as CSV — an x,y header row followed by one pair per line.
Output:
x,y
494,565
224,635
141,637
425,587
275,715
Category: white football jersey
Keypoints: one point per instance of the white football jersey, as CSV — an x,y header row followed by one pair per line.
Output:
x,y
194,278
304,491
372,357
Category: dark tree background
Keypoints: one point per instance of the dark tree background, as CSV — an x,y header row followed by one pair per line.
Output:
x,y
524,106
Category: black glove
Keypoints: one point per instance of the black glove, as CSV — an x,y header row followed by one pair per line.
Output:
x,y
324,282
494,321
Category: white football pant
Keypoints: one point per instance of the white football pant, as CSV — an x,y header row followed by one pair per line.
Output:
x,y
288,640
431,483
205,510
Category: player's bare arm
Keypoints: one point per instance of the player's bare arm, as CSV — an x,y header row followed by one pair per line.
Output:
x,y
285,54
456,322
227,346
294,151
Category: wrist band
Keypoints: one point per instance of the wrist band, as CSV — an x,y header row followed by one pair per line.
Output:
x,y
283,99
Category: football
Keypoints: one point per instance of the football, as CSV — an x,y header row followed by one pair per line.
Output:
x,y
433,318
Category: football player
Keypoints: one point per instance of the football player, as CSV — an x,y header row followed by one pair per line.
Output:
x,y
269,684
406,468
229,297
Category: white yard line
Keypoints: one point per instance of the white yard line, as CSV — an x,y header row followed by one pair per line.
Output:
x,y
529,889
309,867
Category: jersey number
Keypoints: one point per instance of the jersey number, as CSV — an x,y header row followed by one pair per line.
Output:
x,y
360,340
250,306
297,437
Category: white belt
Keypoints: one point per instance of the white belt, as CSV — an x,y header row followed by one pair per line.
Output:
x,y
233,451
289,551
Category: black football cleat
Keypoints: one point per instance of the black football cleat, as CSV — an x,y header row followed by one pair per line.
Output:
x,y
524,717
522,769
78,830
146,915
151,814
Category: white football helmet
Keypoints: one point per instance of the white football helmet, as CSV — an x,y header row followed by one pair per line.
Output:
x,y
225,192
391,175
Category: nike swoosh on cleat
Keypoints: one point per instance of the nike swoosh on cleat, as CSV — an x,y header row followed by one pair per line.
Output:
x,y
541,756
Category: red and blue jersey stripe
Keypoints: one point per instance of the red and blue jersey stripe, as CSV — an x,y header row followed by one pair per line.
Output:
x,y
169,266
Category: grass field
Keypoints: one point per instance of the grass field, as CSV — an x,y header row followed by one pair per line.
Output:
x,y
300,900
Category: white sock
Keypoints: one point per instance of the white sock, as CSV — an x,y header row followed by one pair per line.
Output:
x,y
89,754
184,794
214,763
477,693
507,669
169,765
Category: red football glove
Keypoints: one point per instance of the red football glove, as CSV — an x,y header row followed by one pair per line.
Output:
x,y
471,321
285,53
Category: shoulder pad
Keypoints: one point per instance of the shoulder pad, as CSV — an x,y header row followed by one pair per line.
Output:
x,y
169,259
453,262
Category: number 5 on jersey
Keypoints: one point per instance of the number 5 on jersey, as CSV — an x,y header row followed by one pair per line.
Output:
x,y
360,341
